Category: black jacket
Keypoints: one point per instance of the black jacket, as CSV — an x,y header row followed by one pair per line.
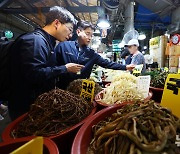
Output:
x,y
33,69
69,52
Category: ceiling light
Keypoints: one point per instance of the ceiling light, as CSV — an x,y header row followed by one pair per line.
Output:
x,y
145,47
142,36
103,24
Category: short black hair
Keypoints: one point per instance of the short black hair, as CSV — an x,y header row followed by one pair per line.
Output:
x,y
85,24
60,13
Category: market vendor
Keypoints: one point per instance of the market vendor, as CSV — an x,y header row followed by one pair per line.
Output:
x,y
137,57
33,69
79,52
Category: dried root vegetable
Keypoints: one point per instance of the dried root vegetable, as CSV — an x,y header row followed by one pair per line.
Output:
x,y
52,113
121,91
142,128
76,86
127,77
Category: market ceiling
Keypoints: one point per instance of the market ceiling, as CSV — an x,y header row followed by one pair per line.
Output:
x,y
147,13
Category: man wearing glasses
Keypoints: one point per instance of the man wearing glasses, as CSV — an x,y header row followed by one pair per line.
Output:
x,y
33,67
78,52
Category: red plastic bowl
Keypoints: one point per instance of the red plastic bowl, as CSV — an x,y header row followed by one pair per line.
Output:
x,y
99,96
9,146
64,139
157,94
156,89
106,83
84,135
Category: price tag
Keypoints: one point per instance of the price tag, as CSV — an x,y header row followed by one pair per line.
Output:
x,y
138,69
87,91
35,146
143,84
166,69
171,94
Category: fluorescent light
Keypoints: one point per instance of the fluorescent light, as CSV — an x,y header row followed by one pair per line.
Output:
x,y
103,24
145,47
141,36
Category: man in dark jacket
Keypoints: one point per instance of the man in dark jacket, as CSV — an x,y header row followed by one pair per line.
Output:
x,y
78,52
33,61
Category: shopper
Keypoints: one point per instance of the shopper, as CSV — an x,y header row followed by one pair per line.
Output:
x,y
126,55
33,69
137,57
79,52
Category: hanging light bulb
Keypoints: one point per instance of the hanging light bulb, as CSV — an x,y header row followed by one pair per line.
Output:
x,y
142,36
103,24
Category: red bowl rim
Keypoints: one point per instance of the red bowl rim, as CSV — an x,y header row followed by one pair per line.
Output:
x,y
99,102
51,146
158,89
79,136
6,135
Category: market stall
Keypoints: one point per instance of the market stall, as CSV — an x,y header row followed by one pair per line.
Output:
x,y
89,77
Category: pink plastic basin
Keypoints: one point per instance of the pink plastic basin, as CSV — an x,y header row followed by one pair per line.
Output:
x,y
157,94
84,135
63,140
99,96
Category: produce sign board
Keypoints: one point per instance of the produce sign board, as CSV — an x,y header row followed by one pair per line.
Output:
x,y
87,91
35,146
143,84
171,94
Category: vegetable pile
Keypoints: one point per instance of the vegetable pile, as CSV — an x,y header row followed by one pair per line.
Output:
x,y
137,128
158,78
52,113
126,77
76,86
122,89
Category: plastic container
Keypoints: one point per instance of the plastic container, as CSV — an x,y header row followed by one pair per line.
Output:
x,y
63,140
9,146
157,94
99,96
84,135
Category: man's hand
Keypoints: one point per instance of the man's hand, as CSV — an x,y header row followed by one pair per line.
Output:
x,y
130,67
73,68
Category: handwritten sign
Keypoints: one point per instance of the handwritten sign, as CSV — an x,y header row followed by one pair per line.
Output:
x,y
143,84
171,94
87,91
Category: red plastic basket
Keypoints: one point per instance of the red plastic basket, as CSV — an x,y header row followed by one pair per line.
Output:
x,y
99,96
63,140
84,135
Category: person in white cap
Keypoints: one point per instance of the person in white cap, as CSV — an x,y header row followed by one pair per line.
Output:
x,y
137,56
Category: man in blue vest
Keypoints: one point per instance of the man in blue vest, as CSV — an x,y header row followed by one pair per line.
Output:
x,y
33,62
78,52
